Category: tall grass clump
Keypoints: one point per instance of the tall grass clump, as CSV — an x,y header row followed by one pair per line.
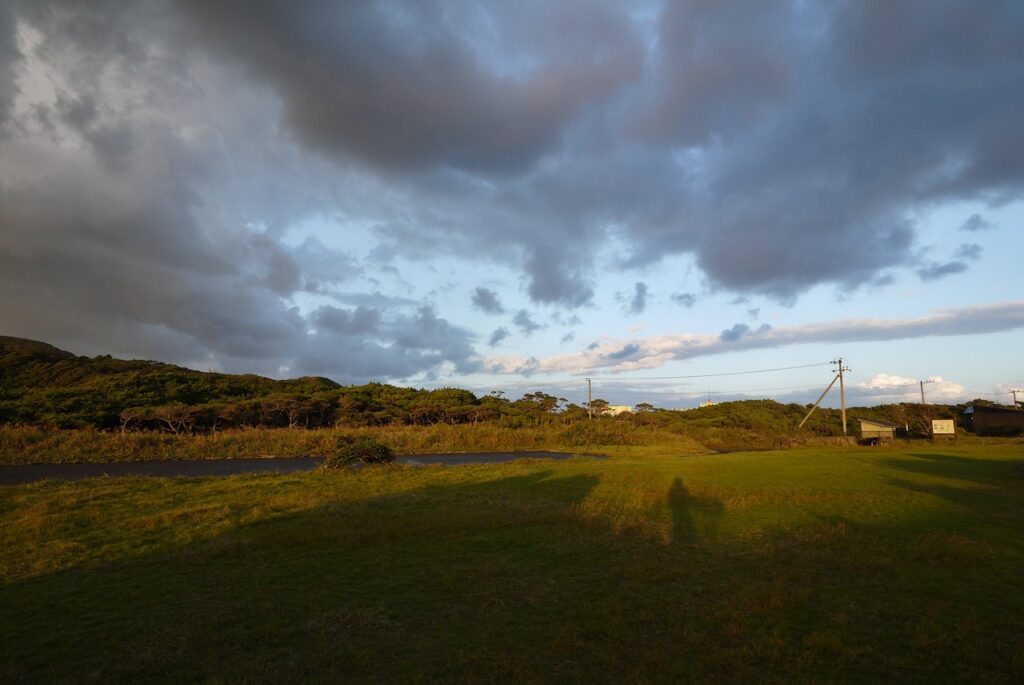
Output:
x,y
365,451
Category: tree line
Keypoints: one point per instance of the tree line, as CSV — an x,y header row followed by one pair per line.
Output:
x,y
41,385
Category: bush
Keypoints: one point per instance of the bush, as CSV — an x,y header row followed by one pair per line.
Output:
x,y
365,451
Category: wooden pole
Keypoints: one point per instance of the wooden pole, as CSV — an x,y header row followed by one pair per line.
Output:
x,y
590,400
842,394
820,398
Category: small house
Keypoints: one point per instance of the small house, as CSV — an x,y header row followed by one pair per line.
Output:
x,y
616,409
874,431
983,419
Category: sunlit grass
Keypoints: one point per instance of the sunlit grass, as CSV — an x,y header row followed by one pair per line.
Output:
x,y
844,564
30,445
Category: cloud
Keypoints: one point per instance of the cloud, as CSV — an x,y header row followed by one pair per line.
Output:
x,y
146,240
497,336
976,222
541,107
324,265
933,272
444,103
159,161
638,302
556,279
655,351
685,299
486,300
400,346
968,251
525,323
9,57
884,387
626,352
735,333
358,321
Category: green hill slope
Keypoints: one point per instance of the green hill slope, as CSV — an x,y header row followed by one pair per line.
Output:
x,y
40,383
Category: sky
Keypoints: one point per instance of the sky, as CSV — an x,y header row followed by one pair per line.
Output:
x,y
518,196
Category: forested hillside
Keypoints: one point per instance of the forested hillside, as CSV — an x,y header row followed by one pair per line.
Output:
x,y
44,386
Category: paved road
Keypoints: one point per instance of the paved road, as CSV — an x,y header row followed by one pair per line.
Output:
x,y
28,473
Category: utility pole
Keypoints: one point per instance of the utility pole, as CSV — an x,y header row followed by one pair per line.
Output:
x,y
921,383
590,400
842,390
1014,393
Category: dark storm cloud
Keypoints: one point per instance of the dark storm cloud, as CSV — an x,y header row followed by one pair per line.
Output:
x,y
358,321
321,264
486,300
144,202
854,127
9,57
435,339
555,279
402,346
147,237
441,105
718,65
976,222
745,134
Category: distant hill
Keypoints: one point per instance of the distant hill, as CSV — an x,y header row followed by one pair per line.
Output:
x,y
40,383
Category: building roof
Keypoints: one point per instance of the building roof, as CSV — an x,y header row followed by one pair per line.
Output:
x,y
988,409
876,422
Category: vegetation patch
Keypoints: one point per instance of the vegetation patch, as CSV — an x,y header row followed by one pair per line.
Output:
x,y
365,451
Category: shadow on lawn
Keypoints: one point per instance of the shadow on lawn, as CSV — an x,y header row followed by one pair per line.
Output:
x,y
952,466
312,595
692,516
502,580
978,484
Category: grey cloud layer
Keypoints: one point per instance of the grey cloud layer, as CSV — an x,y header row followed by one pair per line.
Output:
x,y
398,85
645,353
782,145
824,138
8,58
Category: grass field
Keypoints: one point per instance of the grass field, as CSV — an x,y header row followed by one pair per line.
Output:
x,y
897,564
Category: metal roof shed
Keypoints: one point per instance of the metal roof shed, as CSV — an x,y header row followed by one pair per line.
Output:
x,y
874,431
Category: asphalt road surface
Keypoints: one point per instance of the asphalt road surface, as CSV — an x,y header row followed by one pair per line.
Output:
x,y
28,473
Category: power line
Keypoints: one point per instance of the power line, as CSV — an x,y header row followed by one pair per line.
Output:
x,y
707,375
742,391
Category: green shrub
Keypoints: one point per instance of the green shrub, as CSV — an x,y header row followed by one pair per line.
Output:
x,y
365,451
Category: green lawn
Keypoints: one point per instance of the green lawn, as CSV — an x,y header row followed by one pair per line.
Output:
x,y
824,565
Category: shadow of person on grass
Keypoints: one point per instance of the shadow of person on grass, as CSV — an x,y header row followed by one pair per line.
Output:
x,y
694,518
